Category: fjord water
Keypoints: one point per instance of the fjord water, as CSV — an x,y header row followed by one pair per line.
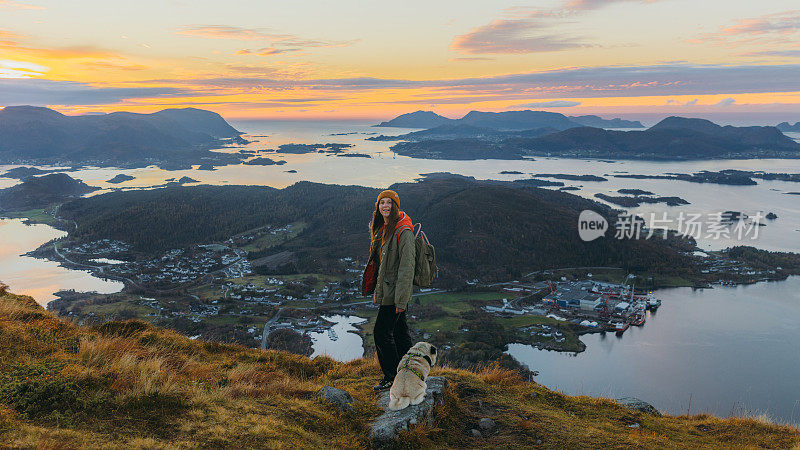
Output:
x,y
343,344
726,351
36,277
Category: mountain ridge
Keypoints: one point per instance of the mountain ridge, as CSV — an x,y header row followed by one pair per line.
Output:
x,y
44,136
517,120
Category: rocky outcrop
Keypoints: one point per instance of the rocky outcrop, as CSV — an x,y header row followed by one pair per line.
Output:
x,y
385,428
638,405
338,397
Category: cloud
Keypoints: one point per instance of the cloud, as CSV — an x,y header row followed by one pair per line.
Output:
x,y
585,5
776,28
691,102
584,82
512,36
20,69
278,43
550,104
16,5
779,53
726,102
471,58
27,91
529,30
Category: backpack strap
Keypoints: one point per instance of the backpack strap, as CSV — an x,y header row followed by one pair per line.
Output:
x,y
405,227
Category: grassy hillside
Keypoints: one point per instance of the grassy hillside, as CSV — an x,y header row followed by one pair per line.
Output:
x,y
128,384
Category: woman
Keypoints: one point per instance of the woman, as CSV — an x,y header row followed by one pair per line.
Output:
x,y
389,277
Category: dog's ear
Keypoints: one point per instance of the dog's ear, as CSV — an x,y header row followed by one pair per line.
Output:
x,y
433,350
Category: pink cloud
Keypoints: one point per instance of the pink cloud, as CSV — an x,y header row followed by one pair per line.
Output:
x,y
510,37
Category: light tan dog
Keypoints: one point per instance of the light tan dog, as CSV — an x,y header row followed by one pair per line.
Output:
x,y
409,385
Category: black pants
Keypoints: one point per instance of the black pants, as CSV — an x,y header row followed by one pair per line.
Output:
x,y
391,339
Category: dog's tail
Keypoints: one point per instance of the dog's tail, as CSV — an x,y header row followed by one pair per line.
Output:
x,y
396,404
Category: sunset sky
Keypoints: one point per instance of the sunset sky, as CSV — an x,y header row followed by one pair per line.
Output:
x,y
350,59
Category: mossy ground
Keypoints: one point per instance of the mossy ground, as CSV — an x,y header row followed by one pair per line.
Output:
x,y
131,385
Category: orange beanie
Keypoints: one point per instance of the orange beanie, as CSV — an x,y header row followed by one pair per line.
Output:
x,y
389,194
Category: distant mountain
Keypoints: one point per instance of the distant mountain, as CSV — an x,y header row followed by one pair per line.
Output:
x,y
786,126
459,130
505,121
599,122
38,192
41,135
417,119
197,120
672,138
518,120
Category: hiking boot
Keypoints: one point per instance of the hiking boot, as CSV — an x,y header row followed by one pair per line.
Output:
x,y
383,385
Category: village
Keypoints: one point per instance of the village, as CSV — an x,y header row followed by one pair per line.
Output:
x,y
206,287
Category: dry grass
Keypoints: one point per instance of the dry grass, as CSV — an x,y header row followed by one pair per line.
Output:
x,y
130,385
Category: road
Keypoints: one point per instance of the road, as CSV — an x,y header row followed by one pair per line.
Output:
x,y
267,328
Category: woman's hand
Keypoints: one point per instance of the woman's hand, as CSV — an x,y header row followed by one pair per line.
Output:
x,y
398,310
375,298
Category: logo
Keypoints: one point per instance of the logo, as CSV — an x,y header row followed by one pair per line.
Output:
x,y
591,225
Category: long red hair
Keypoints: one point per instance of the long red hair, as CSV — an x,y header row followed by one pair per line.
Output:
x,y
377,222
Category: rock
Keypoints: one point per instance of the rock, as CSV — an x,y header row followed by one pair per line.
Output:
x,y
486,423
534,394
385,427
342,399
475,433
633,425
638,405
772,216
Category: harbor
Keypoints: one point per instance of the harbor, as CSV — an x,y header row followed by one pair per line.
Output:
x,y
594,306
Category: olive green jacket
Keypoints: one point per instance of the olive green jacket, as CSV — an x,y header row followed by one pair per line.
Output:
x,y
396,269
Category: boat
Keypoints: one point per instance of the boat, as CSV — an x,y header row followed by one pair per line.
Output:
x,y
332,334
652,302
638,320
619,326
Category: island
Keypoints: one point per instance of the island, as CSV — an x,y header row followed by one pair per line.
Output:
x,y
171,138
43,191
787,127
120,178
674,138
506,120
261,161
637,200
300,149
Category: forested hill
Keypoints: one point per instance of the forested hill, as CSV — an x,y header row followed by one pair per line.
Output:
x,y
489,230
39,192
42,135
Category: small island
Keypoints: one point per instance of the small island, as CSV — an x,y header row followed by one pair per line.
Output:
x,y
261,161
565,176
632,202
121,178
